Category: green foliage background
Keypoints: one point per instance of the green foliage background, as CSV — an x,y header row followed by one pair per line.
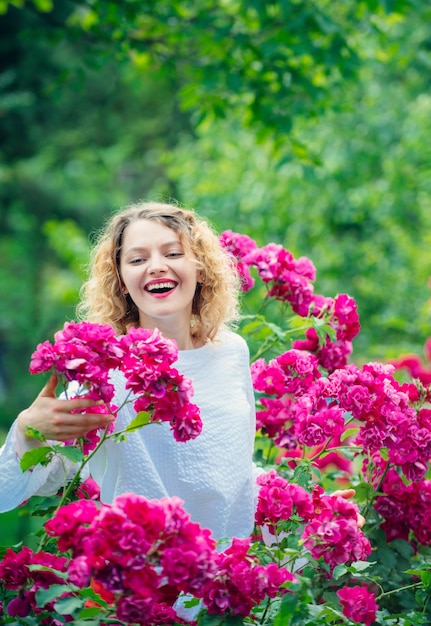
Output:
x,y
301,122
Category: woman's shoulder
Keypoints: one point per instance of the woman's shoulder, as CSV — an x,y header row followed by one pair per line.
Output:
x,y
230,339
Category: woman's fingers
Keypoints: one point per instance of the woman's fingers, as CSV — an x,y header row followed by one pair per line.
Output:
x,y
349,493
66,425
64,421
344,493
49,390
57,418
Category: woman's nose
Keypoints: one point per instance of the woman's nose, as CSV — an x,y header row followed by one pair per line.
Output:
x,y
157,264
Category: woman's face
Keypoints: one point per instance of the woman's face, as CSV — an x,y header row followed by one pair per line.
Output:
x,y
158,275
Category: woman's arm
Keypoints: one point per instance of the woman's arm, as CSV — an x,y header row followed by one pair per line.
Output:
x,y
54,418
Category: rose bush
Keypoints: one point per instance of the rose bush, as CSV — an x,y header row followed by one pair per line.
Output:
x,y
324,424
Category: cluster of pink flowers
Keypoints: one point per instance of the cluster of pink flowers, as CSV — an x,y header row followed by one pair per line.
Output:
x,y
81,352
309,409
389,414
290,280
344,320
297,414
280,500
139,550
241,582
330,530
287,377
17,574
333,534
157,386
86,353
144,553
405,508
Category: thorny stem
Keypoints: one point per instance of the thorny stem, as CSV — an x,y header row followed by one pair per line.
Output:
x,y
390,593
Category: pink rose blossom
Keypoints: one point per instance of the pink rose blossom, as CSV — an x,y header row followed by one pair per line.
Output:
x,y
358,604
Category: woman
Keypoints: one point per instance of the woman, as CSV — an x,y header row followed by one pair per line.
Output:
x,y
159,266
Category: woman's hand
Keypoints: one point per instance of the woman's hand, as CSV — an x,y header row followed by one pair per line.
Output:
x,y
53,417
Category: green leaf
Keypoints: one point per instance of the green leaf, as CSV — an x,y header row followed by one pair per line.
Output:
x,y
278,332
414,572
326,612
360,566
38,456
43,596
142,418
349,432
302,475
89,594
287,609
339,571
70,452
90,611
403,548
300,323
192,602
36,567
118,437
40,505
68,605
363,491
34,433
220,620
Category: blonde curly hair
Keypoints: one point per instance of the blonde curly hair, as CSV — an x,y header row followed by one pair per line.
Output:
x,y
215,301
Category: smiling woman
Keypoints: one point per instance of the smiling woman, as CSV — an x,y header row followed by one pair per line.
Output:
x,y
129,238
159,266
160,279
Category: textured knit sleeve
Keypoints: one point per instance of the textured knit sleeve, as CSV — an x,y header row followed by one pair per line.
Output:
x,y
17,486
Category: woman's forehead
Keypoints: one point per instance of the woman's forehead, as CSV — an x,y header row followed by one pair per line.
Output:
x,y
145,233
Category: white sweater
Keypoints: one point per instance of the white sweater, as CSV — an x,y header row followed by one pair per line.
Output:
x,y
213,474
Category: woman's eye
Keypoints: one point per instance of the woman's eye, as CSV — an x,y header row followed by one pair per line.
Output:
x,y
175,254
137,261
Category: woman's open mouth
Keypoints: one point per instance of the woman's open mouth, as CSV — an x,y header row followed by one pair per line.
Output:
x,y
160,287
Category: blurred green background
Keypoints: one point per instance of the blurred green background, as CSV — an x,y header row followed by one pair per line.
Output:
x,y
307,123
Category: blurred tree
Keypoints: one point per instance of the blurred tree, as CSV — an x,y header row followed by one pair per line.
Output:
x,y
95,95
66,153
357,201
272,60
